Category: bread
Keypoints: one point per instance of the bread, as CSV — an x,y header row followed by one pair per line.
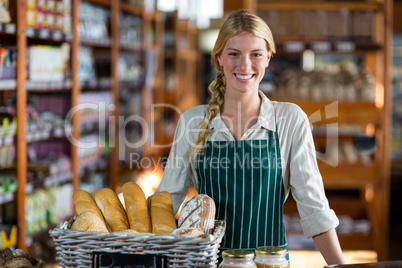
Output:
x,y
162,215
112,209
198,211
84,202
189,232
90,217
89,222
136,208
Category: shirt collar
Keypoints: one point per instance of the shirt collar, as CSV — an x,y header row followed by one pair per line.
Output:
x,y
265,118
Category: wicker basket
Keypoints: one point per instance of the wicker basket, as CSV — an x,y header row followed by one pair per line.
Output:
x,y
74,248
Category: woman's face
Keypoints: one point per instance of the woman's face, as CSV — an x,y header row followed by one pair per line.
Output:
x,y
244,59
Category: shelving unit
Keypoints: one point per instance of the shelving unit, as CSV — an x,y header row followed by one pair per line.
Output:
x,y
183,75
72,89
369,180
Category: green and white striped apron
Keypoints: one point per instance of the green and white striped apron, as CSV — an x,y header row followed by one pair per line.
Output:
x,y
244,178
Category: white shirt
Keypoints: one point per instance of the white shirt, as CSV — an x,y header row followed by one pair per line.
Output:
x,y
299,165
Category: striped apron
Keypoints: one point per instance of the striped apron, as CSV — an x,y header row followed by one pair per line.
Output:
x,y
244,178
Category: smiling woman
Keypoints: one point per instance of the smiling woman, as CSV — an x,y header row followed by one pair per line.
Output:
x,y
263,149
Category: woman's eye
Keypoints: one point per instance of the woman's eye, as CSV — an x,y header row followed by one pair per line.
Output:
x,y
256,54
233,54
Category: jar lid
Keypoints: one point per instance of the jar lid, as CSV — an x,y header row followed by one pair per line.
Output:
x,y
270,250
238,253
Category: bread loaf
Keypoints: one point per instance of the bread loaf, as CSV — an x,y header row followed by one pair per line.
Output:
x,y
89,222
84,202
189,232
90,217
112,209
198,212
162,215
136,208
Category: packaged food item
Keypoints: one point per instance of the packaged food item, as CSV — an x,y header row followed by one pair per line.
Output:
x,y
271,257
237,258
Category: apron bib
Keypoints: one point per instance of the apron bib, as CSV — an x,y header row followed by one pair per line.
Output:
x,y
244,178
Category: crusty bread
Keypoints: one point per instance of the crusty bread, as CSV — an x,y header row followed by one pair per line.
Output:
x,y
190,232
87,209
162,215
136,208
89,222
198,212
112,209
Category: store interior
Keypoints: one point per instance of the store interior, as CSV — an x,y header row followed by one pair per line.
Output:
x,y
91,92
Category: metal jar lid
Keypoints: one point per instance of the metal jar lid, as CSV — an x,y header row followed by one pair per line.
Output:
x,y
270,250
238,253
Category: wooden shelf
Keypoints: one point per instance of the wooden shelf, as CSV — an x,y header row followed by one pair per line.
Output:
x,y
348,176
100,43
356,241
298,45
131,9
105,3
356,6
376,56
22,87
45,34
342,112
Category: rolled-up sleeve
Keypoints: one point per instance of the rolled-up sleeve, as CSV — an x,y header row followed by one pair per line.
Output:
x,y
306,182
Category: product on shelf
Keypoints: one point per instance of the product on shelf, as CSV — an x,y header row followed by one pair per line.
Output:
x,y
52,15
320,85
8,63
47,63
44,207
130,68
94,22
131,31
335,25
5,16
86,64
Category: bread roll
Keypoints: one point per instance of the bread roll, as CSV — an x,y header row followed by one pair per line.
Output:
x,y
89,222
136,208
112,209
85,204
162,215
189,232
198,211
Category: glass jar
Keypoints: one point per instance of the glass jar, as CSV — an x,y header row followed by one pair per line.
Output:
x,y
235,258
271,257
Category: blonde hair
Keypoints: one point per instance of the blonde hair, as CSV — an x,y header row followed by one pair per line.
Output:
x,y
236,23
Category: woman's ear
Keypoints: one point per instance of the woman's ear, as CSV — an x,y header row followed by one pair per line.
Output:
x,y
269,57
219,59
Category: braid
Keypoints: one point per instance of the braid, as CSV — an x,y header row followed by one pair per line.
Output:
x,y
217,90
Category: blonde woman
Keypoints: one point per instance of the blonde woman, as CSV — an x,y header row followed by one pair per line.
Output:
x,y
247,152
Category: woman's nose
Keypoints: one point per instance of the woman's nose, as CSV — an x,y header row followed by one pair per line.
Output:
x,y
245,63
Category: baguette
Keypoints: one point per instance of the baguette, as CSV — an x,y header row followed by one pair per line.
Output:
x,y
162,215
198,212
112,209
84,202
136,208
90,217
